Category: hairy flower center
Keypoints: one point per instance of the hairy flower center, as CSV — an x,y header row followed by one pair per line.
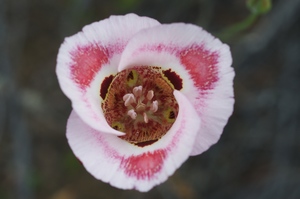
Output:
x,y
140,102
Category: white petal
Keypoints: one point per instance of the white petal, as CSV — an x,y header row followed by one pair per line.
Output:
x,y
202,62
88,57
128,166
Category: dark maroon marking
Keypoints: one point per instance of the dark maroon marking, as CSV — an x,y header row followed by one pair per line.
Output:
x,y
172,115
174,78
105,85
130,76
147,143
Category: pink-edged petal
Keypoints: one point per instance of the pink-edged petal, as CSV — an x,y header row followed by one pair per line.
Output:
x,y
128,166
88,57
203,64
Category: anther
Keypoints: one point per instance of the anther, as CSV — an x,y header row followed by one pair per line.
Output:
x,y
132,114
137,91
145,117
154,106
150,95
128,99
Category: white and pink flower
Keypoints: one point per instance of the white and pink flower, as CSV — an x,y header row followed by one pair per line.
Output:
x,y
145,97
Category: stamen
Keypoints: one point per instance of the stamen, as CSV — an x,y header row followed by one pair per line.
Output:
x,y
128,99
145,117
137,91
132,114
154,106
150,95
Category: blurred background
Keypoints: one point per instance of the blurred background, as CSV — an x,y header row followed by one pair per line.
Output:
x,y
258,155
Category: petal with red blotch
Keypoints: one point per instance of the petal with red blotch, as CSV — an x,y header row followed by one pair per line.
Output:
x,y
203,65
127,166
88,57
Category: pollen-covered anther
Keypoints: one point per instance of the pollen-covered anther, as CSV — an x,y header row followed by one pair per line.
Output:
x,y
150,95
129,99
137,91
154,106
132,114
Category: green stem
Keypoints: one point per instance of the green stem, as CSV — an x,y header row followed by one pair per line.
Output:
x,y
235,29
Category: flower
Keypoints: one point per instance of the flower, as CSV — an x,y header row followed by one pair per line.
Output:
x,y
145,97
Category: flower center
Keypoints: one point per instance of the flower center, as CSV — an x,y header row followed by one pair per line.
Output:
x,y
140,102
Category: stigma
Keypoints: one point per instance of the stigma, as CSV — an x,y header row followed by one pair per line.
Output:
x,y
140,102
